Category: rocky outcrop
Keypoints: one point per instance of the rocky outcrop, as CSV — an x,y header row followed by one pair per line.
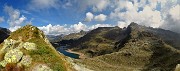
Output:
x,y
137,48
15,55
27,49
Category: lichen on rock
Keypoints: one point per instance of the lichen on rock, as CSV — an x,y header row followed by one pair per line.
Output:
x,y
8,45
3,63
29,46
13,56
26,60
41,67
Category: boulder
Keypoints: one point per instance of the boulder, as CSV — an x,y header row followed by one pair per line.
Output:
x,y
13,56
29,46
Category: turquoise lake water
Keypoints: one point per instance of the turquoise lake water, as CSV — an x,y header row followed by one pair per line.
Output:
x,y
72,55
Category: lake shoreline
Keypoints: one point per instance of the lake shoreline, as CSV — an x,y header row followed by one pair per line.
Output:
x,y
81,55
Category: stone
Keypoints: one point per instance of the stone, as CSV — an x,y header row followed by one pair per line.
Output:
x,y
8,45
41,67
29,46
26,60
13,56
3,63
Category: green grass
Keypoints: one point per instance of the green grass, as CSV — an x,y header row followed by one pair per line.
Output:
x,y
44,53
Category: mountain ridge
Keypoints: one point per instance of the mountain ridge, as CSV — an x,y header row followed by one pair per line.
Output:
x,y
140,49
33,44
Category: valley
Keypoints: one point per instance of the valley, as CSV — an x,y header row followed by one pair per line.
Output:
x,y
133,48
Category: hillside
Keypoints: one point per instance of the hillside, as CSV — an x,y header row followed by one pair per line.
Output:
x,y
141,48
27,49
54,38
98,41
4,33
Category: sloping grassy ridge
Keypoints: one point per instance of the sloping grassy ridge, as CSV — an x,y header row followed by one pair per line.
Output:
x,y
44,53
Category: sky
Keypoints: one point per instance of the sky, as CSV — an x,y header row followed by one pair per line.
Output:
x,y
56,17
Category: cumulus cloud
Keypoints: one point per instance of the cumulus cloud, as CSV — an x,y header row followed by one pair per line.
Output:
x,y
2,19
15,19
175,12
64,29
100,17
14,28
172,20
89,17
148,16
97,5
54,30
122,24
78,27
100,5
43,4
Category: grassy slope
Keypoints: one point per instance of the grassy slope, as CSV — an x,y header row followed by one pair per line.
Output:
x,y
45,53
99,41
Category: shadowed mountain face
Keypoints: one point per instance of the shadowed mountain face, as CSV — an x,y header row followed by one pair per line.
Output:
x,y
4,33
71,36
99,41
134,48
27,49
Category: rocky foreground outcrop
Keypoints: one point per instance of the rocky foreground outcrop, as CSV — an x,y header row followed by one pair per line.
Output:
x,y
138,48
27,49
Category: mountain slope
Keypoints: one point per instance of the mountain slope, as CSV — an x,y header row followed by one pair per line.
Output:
x,y
30,44
140,49
98,41
4,33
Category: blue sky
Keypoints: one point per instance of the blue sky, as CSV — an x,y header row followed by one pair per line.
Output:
x,y
67,16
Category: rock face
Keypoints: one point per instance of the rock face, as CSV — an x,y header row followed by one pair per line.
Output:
x,y
4,33
28,49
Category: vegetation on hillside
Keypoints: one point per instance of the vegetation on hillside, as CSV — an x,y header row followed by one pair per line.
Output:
x,y
43,56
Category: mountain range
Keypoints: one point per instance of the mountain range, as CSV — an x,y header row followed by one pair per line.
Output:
x,y
133,48
28,49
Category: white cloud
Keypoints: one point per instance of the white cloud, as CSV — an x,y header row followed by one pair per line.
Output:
x,y
14,16
175,12
122,24
172,19
54,30
100,17
2,19
97,5
89,16
148,16
43,4
14,28
64,29
100,5
78,27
